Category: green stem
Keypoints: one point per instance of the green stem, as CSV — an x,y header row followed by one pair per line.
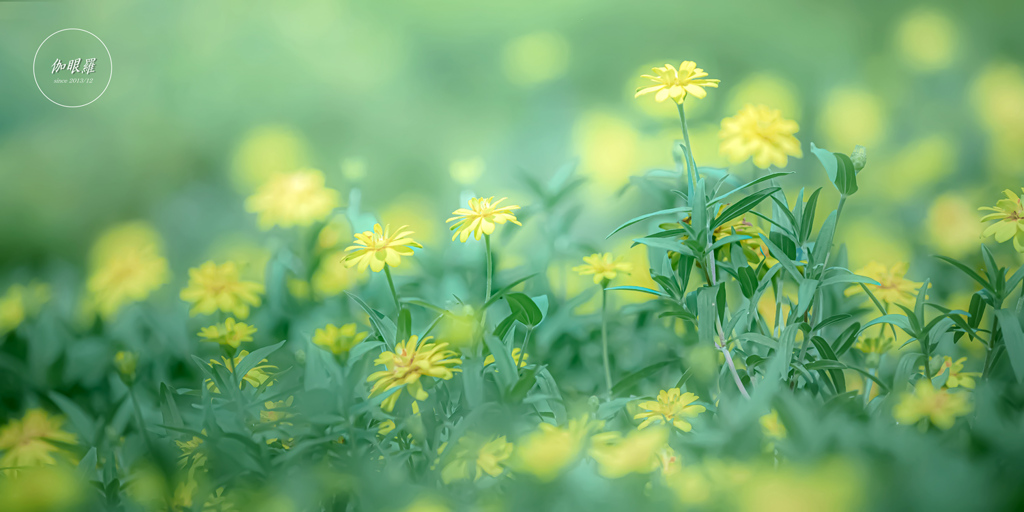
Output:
x,y
867,387
686,139
138,415
604,338
391,284
522,349
490,267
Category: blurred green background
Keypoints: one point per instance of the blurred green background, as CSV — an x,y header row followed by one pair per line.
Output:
x,y
419,100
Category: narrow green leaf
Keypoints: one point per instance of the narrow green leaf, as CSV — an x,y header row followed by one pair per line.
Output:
x,y
1013,337
632,379
634,220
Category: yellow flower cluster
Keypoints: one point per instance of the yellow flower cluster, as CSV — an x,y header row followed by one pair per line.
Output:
x,y
472,453
231,333
481,217
760,133
21,302
939,406
294,199
380,247
893,287
256,377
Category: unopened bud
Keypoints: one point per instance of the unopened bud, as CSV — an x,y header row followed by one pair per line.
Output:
x,y
859,157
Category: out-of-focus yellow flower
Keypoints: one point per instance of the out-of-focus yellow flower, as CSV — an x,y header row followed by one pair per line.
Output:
x,y
851,117
333,276
768,89
338,340
957,376
516,353
427,503
893,287
714,479
545,452
354,169
952,226
1009,214
760,133
466,172
480,218
834,486
637,452
297,198
488,457
385,427
997,94
125,362
753,248
602,267
380,247
609,147
231,333
460,326
411,360
276,412
927,39
535,58
255,377
213,288
669,462
771,426
21,302
126,265
333,233
677,83
926,402
43,489
671,407
420,210
264,152
29,441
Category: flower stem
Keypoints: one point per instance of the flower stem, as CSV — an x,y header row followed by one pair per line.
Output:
x,y
490,265
604,338
686,140
391,284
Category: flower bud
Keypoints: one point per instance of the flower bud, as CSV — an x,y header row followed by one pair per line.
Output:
x,y
859,157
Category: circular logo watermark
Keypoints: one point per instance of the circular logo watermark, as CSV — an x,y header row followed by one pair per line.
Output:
x,y
72,67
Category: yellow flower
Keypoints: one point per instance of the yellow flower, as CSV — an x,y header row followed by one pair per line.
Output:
x,y
255,377
753,247
274,412
230,333
521,362
957,376
21,302
294,199
760,133
545,452
677,83
213,287
874,347
772,429
126,265
338,340
332,275
376,248
602,267
411,360
893,288
638,452
480,218
938,405
489,458
191,452
1010,214
29,441
125,362
671,407
385,427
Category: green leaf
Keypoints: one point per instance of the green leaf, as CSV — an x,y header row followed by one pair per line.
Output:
x,y
1013,337
807,218
847,277
404,324
805,295
382,324
787,263
500,293
846,175
823,244
846,339
634,220
523,305
828,161
78,417
743,206
825,351
253,358
632,379
967,270
749,184
639,289
507,374
707,313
